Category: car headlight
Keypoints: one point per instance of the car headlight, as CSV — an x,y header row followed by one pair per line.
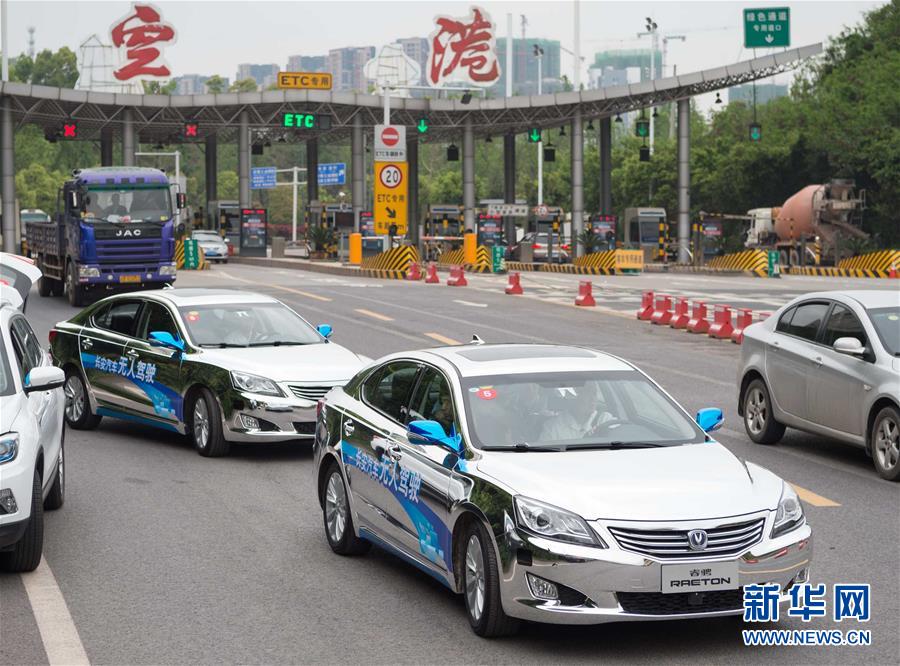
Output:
x,y
88,271
789,515
9,447
554,523
255,384
168,269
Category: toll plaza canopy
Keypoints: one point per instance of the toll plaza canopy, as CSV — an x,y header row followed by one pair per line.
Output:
x,y
256,117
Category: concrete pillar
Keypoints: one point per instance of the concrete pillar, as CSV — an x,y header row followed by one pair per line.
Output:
x,y
128,142
211,168
8,177
468,178
106,147
605,144
312,170
412,159
684,179
358,171
577,155
509,184
244,193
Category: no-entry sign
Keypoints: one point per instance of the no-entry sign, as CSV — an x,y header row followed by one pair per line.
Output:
x,y
390,143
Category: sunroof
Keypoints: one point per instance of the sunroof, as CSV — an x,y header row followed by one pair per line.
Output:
x,y
513,352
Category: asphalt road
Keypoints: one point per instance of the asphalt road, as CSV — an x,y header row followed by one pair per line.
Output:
x,y
163,556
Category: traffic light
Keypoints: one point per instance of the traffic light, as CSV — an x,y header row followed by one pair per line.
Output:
x,y
549,154
534,135
645,154
755,132
452,153
642,127
191,130
70,130
422,125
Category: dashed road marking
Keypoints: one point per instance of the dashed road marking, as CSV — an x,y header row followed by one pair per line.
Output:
x,y
58,633
470,303
810,497
374,315
443,339
315,297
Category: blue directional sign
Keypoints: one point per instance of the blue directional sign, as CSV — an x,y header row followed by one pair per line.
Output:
x,y
262,178
333,174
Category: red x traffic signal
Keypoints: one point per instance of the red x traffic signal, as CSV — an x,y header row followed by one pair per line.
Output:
x,y
191,130
70,130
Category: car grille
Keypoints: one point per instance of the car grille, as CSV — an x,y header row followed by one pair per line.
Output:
x,y
657,603
312,393
673,544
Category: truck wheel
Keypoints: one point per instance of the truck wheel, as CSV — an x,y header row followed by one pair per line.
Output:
x,y
45,284
26,554
74,292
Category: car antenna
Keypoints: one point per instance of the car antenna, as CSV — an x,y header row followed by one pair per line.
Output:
x,y
476,340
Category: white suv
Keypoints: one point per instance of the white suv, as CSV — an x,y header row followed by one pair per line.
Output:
x,y
32,402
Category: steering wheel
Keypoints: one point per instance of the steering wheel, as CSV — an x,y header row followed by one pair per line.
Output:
x,y
606,425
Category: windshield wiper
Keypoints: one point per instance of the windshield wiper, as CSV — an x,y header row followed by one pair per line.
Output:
x,y
523,446
276,343
222,345
615,445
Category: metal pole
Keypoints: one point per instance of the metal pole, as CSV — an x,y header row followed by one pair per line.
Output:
x,y
468,169
576,79
654,41
605,145
312,170
7,169
4,42
386,93
244,160
540,144
106,147
509,55
412,159
128,138
294,206
509,183
358,171
212,185
178,186
577,183
684,179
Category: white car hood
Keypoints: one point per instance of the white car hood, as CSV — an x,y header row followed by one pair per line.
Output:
x,y
695,481
10,406
328,363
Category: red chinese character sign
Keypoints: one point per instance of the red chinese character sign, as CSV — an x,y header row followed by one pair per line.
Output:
x,y
142,34
463,51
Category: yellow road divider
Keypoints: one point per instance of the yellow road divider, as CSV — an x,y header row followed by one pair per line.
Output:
x,y
443,339
373,315
810,497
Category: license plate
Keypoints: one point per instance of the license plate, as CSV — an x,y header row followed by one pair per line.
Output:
x,y
699,577
129,278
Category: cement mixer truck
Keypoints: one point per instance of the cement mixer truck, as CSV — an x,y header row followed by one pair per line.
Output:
x,y
813,226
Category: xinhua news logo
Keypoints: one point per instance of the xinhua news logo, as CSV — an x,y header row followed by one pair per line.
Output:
x,y
807,602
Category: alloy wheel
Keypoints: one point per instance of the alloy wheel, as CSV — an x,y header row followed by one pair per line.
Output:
x,y
475,577
74,392
201,423
887,443
755,411
335,508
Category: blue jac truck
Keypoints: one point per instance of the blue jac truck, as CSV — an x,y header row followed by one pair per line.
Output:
x,y
114,230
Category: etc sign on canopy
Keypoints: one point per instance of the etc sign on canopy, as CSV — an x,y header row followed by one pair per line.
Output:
x,y
463,51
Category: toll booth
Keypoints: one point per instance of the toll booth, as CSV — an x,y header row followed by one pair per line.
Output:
x,y
443,230
646,229
711,238
551,220
225,217
490,229
372,243
605,228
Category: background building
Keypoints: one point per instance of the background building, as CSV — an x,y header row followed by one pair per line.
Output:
x,y
765,92
264,75
525,67
346,67
300,63
191,84
417,49
620,67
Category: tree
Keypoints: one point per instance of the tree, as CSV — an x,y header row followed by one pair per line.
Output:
x,y
58,69
158,88
215,84
243,85
227,185
36,187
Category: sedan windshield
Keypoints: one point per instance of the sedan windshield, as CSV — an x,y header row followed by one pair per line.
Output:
x,y
887,323
566,411
247,325
123,205
207,236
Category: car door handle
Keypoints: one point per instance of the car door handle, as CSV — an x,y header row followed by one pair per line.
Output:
x,y
817,360
86,344
394,452
133,353
348,428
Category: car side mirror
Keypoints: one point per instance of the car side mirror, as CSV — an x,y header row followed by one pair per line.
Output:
x,y
710,419
432,433
76,201
44,379
181,200
166,339
851,346
325,330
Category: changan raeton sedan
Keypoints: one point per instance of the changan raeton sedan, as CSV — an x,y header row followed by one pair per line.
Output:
x,y
553,484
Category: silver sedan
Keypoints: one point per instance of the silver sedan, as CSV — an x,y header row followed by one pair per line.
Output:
x,y
827,363
552,484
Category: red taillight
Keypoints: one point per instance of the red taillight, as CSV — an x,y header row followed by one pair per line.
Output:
x,y
536,246
566,246
51,336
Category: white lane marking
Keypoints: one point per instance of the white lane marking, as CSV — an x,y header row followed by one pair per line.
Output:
x,y
315,297
374,315
470,303
58,633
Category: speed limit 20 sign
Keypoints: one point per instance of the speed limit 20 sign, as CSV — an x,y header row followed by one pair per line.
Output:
x,y
391,198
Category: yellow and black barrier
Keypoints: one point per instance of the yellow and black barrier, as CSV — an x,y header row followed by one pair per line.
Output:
x,y
181,265
482,263
391,264
753,262
871,265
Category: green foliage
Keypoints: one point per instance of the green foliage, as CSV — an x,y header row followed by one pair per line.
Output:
x,y
215,84
47,69
157,88
320,237
227,185
36,187
243,85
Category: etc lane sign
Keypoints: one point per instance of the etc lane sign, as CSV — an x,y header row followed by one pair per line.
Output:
x,y
304,80
767,27
508,210
390,143
262,178
391,198
333,174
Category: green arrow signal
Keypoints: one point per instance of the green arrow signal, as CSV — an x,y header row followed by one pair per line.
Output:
x,y
535,135
422,126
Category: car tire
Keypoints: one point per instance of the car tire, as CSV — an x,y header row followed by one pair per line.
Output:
x,y
78,406
884,443
481,585
206,425
45,284
57,495
74,293
26,553
338,522
759,422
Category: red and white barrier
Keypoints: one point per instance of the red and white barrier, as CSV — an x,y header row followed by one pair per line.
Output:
x,y
585,294
721,327
646,310
662,310
742,320
414,272
698,323
431,274
514,288
457,277
681,317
